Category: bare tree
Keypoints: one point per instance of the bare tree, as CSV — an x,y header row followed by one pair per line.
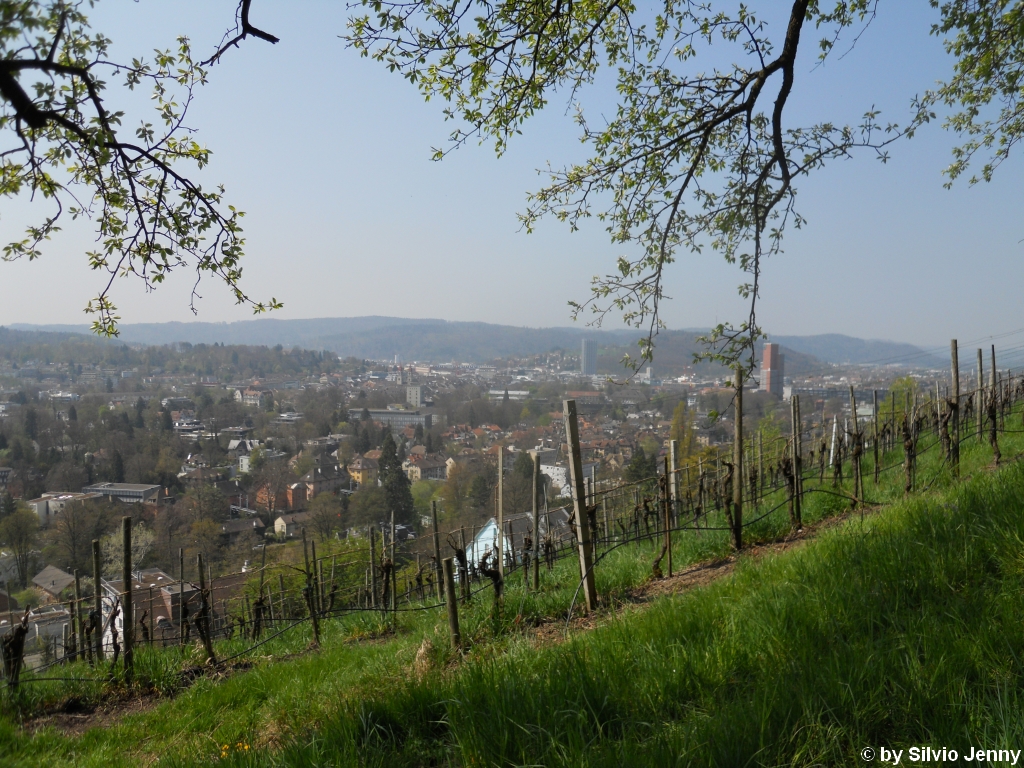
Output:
x,y
325,515
74,530
19,532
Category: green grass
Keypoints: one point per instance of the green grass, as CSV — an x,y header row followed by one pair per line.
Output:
x,y
897,629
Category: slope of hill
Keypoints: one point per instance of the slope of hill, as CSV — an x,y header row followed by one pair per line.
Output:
x,y
897,627
381,338
837,348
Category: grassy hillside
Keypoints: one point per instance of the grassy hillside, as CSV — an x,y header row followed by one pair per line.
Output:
x,y
894,629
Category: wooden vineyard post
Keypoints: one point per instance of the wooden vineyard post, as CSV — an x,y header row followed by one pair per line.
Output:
x,y
572,437
284,597
315,565
448,568
954,438
437,552
874,429
760,463
311,588
979,397
737,459
204,625
858,491
501,512
181,596
373,568
537,489
77,617
668,503
794,402
673,485
993,374
127,606
394,570
97,597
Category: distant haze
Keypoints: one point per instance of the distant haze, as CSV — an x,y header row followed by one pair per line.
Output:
x,y
382,338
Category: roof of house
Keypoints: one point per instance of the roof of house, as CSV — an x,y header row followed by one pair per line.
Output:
x,y
293,517
237,526
53,580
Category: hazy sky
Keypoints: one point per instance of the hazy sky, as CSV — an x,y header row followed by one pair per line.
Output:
x,y
329,155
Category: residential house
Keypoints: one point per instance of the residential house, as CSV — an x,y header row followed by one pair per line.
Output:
x,y
324,479
256,397
233,530
363,470
245,462
288,526
293,496
5,476
467,458
425,467
51,504
155,595
53,581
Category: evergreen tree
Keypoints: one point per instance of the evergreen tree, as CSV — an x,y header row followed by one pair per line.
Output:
x,y
363,441
166,423
523,465
117,468
8,506
682,430
397,488
31,423
480,492
72,415
641,467
418,436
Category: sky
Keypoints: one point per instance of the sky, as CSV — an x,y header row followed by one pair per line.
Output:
x,y
329,155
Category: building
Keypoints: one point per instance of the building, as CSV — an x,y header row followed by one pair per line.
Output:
x,y
5,476
293,496
414,396
773,369
131,493
425,468
176,403
363,471
232,530
266,455
288,526
257,397
397,420
53,581
511,394
588,358
49,505
155,595
324,479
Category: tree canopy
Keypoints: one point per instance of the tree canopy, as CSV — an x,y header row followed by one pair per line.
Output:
x,y
694,156
132,176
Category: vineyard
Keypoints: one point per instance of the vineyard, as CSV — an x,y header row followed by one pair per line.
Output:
x,y
476,643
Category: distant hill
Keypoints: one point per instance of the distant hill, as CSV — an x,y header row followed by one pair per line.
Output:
x,y
381,338
837,348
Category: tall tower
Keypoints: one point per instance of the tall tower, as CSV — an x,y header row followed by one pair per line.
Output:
x,y
773,369
588,358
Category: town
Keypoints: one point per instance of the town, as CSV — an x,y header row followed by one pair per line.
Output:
x,y
234,451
